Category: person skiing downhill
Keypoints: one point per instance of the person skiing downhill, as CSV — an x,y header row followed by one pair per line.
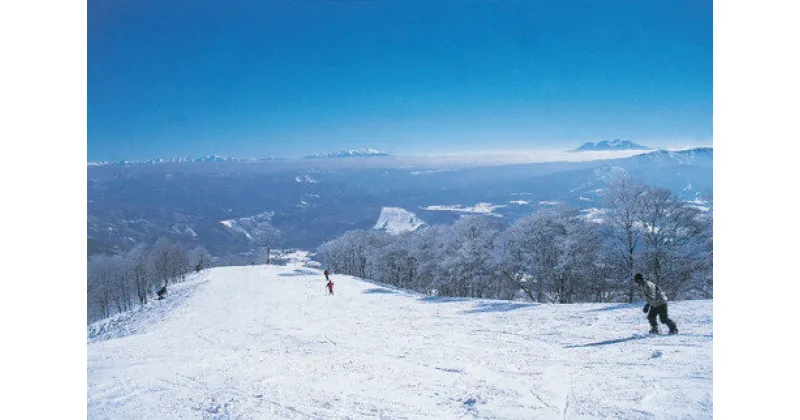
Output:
x,y
656,305
326,273
330,287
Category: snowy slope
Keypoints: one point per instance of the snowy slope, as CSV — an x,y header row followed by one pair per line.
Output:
x,y
266,342
396,220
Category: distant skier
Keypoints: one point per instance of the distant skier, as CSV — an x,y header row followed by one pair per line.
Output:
x,y
326,274
330,287
656,305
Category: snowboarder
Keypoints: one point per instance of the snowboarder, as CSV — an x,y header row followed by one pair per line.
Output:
x,y
656,305
161,292
330,287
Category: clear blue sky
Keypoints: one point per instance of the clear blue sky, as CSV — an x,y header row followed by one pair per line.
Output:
x,y
290,78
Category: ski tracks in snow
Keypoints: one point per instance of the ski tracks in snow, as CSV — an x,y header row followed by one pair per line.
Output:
x,y
253,343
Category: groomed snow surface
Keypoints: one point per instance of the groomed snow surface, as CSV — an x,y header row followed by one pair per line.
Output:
x,y
266,342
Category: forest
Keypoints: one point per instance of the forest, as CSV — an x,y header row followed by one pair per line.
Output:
x,y
554,255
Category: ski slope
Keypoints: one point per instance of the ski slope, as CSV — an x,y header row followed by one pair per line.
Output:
x,y
266,342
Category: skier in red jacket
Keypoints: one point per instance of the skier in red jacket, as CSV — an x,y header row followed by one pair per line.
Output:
x,y
330,287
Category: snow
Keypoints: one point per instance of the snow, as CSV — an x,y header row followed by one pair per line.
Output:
x,y
436,171
594,214
306,179
479,208
700,204
234,226
396,220
266,342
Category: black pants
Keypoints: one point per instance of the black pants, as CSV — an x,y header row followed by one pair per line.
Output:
x,y
661,313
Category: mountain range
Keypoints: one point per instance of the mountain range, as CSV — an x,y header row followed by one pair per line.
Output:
x,y
223,159
223,203
607,145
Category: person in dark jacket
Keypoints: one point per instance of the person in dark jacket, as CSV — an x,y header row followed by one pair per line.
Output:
x,y
326,273
656,305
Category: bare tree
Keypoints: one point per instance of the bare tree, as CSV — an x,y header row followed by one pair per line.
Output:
x,y
265,238
168,262
100,284
199,259
624,201
672,232
138,271
122,283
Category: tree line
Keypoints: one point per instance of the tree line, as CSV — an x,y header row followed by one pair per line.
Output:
x,y
117,283
553,255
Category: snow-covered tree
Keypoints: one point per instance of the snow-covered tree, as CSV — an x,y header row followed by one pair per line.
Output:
x,y
138,269
100,287
265,238
426,251
199,259
388,260
673,238
168,262
122,282
623,201
467,263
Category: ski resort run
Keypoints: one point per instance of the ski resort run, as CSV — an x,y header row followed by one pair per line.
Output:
x,y
265,342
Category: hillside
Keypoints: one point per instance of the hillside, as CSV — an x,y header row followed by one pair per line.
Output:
x,y
267,342
313,201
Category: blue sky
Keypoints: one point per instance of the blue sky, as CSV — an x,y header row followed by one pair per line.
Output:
x,y
290,78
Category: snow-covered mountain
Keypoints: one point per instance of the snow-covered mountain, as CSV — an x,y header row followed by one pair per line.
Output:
x,y
701,156
479,208
250,226
396,220
615,144
266,342
348,154
316,200
205,159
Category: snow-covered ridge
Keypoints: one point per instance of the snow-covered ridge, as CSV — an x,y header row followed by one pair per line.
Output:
x,y
694,156
396,220
250,225
479,208
348,153
615,144
205,159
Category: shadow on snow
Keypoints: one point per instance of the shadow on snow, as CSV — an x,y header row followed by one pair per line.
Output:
x,y
606,342
442,299
379,290
615,307
498,307
300,272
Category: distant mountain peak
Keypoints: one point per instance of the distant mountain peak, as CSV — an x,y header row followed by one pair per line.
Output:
x,y
213,158
348,153
616,144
